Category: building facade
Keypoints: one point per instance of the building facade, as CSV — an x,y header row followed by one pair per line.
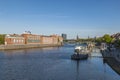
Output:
x,y
28,38
32,38
14,39
47,40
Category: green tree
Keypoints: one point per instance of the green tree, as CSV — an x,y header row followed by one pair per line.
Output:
x,y
107,38
99,40
2,38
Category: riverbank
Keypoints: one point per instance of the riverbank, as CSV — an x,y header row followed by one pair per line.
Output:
x,y
52,64
111,54
25,46
113,63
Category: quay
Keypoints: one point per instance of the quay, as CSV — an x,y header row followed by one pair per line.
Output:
x,y
25,46
115,53
110,52
113,63
111,56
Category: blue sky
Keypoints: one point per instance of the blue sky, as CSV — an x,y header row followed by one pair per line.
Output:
x,y
82,17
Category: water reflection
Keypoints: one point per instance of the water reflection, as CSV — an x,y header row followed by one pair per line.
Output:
x,y
52,64
113,64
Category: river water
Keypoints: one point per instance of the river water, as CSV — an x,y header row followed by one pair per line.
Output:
x,y
53,63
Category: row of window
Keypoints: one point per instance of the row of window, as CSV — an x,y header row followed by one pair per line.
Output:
x,y
33,41
18,41
35,37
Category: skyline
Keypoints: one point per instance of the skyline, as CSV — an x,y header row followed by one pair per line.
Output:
x,y
72,17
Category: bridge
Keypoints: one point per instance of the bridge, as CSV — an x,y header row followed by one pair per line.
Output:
x,y
76,41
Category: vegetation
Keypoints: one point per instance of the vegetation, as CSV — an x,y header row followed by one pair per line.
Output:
x,y
117,43
107,38
2,38
65,40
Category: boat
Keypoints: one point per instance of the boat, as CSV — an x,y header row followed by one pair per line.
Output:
x,y
79,56
80,53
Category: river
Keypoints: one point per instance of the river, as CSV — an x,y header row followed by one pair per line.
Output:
x,y
53,63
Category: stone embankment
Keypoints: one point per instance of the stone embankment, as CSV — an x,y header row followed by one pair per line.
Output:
x,y
112,53
9,47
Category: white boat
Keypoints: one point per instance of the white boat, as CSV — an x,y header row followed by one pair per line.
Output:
x,y
78,47
80,53
81,49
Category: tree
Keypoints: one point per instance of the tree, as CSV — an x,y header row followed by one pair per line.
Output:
x,y
107,38
2,38
99,40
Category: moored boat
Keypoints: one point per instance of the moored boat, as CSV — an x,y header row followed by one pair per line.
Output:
x,y
81,53
79,56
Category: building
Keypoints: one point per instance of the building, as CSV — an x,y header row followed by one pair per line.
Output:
x,y
77,37
47,40
28,38
14,39
116,36
53,39
64,36
32,38
57,39
60,40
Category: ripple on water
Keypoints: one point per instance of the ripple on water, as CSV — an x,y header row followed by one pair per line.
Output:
x,y
52,64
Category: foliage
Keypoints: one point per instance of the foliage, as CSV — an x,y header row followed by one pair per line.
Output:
x,y
84,40
2,38
117,43
107,38
99,39
65,40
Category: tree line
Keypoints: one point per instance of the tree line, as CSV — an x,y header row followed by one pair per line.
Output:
x,y
109,40
98,40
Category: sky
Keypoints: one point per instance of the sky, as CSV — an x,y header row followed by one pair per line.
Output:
x,y
72,17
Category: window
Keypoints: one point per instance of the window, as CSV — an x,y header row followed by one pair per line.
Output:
x,y
14,41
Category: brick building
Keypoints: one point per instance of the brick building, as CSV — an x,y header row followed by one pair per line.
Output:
x,y
53,39
14,39
28,38
46,40
32,38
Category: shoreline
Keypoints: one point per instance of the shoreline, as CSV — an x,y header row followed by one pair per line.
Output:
x,y
113,63
111,54
27,46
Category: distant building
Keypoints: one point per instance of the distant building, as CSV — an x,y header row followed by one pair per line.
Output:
x,y
14,39
116,36
77,37
32,38
28,38
64,36
53,39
